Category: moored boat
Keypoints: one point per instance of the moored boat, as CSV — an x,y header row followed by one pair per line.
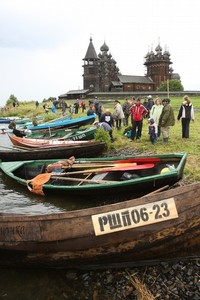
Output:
x,y
75,134
91,149
113,177
64,123
42,143
157,227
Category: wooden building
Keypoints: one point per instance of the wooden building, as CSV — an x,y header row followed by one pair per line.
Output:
x,y
101,73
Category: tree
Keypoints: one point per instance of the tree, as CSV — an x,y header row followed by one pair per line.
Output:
x,y
174,85
12,100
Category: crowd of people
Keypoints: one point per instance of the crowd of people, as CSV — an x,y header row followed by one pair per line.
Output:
x,y
159,114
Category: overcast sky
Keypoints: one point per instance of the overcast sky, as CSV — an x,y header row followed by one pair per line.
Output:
x,y
43,42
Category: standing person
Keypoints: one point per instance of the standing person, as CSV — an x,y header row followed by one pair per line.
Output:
x,y
126,110
53,109
100,110
153,131
138,111
83,106
150,102
145,104
64,107
76,106
46,108
186,114
96,105
91,110
36,104
71,111
118,114
34,120
133,102
167,119
108,118
106,127
155,113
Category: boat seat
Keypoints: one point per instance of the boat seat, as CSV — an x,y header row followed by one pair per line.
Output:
x,y
100,176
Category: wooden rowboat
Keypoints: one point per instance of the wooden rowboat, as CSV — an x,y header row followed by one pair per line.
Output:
x,y
75,134
41,143
156,227
64,123
104,178
91,149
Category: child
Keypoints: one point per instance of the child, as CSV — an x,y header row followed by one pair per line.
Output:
x,y
153,130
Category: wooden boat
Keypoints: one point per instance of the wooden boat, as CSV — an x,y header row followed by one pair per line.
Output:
x,y
157,227
24,121
75,134
64,123
98,178
90,149
5,120
41,143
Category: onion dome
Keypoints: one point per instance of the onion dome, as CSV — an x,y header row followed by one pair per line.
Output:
x,y
166,53
158,49
104,48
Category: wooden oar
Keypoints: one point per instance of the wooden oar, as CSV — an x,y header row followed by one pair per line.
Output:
x,y
111,169
129,160
98,165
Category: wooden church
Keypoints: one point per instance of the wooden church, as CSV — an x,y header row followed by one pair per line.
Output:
x,y
101,73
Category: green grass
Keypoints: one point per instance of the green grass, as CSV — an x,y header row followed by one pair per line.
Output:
x,y
175,144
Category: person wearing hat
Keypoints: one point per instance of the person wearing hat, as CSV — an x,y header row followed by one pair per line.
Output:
x,y
153,131
150,102
107,117
126,109
138,111
118,114
167,119
106,127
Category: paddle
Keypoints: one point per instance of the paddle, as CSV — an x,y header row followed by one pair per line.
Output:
x,y
99,165
127,160
111,169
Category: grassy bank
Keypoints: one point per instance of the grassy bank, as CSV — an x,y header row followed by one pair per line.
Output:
x,y
176,143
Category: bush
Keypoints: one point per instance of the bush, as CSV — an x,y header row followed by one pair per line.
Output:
x,y
103,136
174,86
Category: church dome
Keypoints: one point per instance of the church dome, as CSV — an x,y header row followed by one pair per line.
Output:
x,y
104,47
158,49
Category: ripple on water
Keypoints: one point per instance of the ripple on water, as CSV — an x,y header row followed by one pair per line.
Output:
x,y
15,202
